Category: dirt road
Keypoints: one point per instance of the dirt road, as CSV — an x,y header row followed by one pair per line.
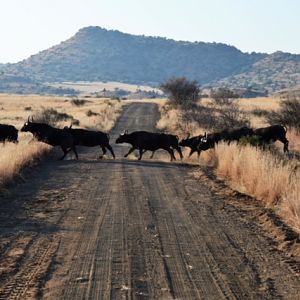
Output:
x,y
128,229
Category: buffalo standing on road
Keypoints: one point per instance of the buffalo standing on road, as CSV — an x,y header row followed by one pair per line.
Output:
x,y
8,133
144,141
51,136
88,138
172,140
272,134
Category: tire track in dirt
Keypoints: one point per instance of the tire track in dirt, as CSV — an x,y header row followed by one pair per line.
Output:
x,y
128,229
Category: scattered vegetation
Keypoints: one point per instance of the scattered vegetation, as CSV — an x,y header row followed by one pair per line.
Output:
x,y
90,113
223,96
220,113
52,117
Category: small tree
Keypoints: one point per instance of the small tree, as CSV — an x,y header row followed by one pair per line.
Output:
x,y
223,96
181,91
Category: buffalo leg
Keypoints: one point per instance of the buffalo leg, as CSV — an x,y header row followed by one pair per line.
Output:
x,y
103,150
141,153
130,151
171,152
75,151
191,152
65,152
285,144
179,151
152,154
198,151
109,147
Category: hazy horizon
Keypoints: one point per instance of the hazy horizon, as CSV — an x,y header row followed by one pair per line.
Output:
x,y
30,27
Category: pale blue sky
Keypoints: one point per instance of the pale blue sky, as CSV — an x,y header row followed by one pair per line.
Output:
x,y
29,26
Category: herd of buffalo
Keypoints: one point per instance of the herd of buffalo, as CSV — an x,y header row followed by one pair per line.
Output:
x,y
68,138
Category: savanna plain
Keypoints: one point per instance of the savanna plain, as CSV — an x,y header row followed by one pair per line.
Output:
x,y
224,226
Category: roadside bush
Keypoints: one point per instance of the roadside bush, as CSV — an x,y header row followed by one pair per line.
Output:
x,y
226,111
230,117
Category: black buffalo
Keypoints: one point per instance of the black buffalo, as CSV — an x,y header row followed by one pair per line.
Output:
x,y
51,136
172,140
273,133
89,138
144,141
8,133
192,143
227,135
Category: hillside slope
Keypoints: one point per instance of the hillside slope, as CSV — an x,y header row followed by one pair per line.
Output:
x,y
275,72
97,54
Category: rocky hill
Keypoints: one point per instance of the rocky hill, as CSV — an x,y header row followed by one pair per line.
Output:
x,y
275,72
94,53
97,54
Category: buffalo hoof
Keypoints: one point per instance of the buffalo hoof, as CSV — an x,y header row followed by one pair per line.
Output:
x,y
100,157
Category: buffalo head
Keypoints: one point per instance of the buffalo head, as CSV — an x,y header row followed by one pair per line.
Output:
x,y
123,137
28,126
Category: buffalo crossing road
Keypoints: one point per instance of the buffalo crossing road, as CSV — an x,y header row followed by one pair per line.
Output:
x,y
128,229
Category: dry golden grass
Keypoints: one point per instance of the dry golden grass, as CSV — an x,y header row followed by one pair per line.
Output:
x,y
262,175
15,109
264,103
274,181
14,158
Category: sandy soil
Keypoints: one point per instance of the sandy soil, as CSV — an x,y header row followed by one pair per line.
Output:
x,y
128,229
